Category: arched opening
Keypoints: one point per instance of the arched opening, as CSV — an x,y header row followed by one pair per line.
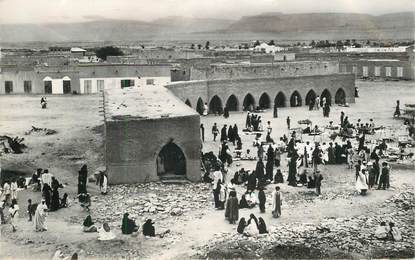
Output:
x,y
232,103
340,97
249,102
295,100
264,101
280,100
310,97
171,161
199,106
187,102
325,94
66,85
47,83
215,105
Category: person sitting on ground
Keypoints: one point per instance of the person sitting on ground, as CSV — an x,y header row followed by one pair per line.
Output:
x,y
88,226
64,201
243,204
251,198
394,232
241,226
148,228
128,225
278,177
85,200
55,183
268,138
382,231
262,227
105,233
252,225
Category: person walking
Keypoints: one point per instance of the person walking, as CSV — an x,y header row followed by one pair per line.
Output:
x,y
202,132
232,208
14,213
276,202
215,131
262,199
288,122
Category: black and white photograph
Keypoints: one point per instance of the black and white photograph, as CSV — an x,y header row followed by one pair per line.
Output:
x,y
219,129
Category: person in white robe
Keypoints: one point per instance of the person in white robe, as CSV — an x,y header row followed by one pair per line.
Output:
x,y
103,184
105,233
40,217
13,190
361,182
205,109
276,202
14,214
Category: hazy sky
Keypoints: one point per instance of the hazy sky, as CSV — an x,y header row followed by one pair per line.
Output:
x,y
44,11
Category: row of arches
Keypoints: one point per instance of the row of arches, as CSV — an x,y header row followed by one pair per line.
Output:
x,y
232,103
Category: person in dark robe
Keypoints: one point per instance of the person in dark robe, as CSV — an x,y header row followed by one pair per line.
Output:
x,y
235,131
268,138
311,184
226,112
202,132
327,110
64,201
148,228
288,122
259,170
47,194
232,208
277,157
252,181
243,204
276,202
238,143
128,225
82,179
318,178
275,114
361,142
223,134
397,110
305,157
88,225
331,154
262,227
241,226
303,177
384,177
248,121
376,168
342,119
278,177
292,170
262,199
215,131
269,168
55,202
316,157
231,137
337,153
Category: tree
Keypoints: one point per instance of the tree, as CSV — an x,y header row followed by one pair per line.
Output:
x,y
271,43
199,46
207,45
106,51
313,43
257,43
192,46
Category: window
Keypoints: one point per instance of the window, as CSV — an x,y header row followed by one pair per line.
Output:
x,y
354,69
27,85
150,82
377,71
100,85
365,71
8,87
125,83
87,86
388,71
399,72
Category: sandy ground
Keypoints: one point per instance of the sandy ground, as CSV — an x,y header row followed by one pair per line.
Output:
x,y
79,140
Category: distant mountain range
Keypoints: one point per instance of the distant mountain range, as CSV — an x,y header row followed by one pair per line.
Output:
x,y
296,26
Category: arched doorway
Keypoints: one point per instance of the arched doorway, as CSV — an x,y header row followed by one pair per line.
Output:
x,y
310,97
340,97
199,106
187,102
295,100
47,83
215,105
249,102
264,101
280,100
232,103
66,85
171,161
325,94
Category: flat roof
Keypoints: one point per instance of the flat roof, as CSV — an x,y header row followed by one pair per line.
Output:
x,y
141,103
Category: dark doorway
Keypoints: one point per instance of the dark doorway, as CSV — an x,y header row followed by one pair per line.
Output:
x,y
295,100
187,102
48,86
280,100
199,106
215,105
249,102
232,103
8,87
310,97
66,87
340,97
325,94
264,101
171,161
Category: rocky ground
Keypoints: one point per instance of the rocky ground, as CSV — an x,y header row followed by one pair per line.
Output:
x,y
338,224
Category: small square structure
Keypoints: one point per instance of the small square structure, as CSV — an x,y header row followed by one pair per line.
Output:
x,y
150,134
